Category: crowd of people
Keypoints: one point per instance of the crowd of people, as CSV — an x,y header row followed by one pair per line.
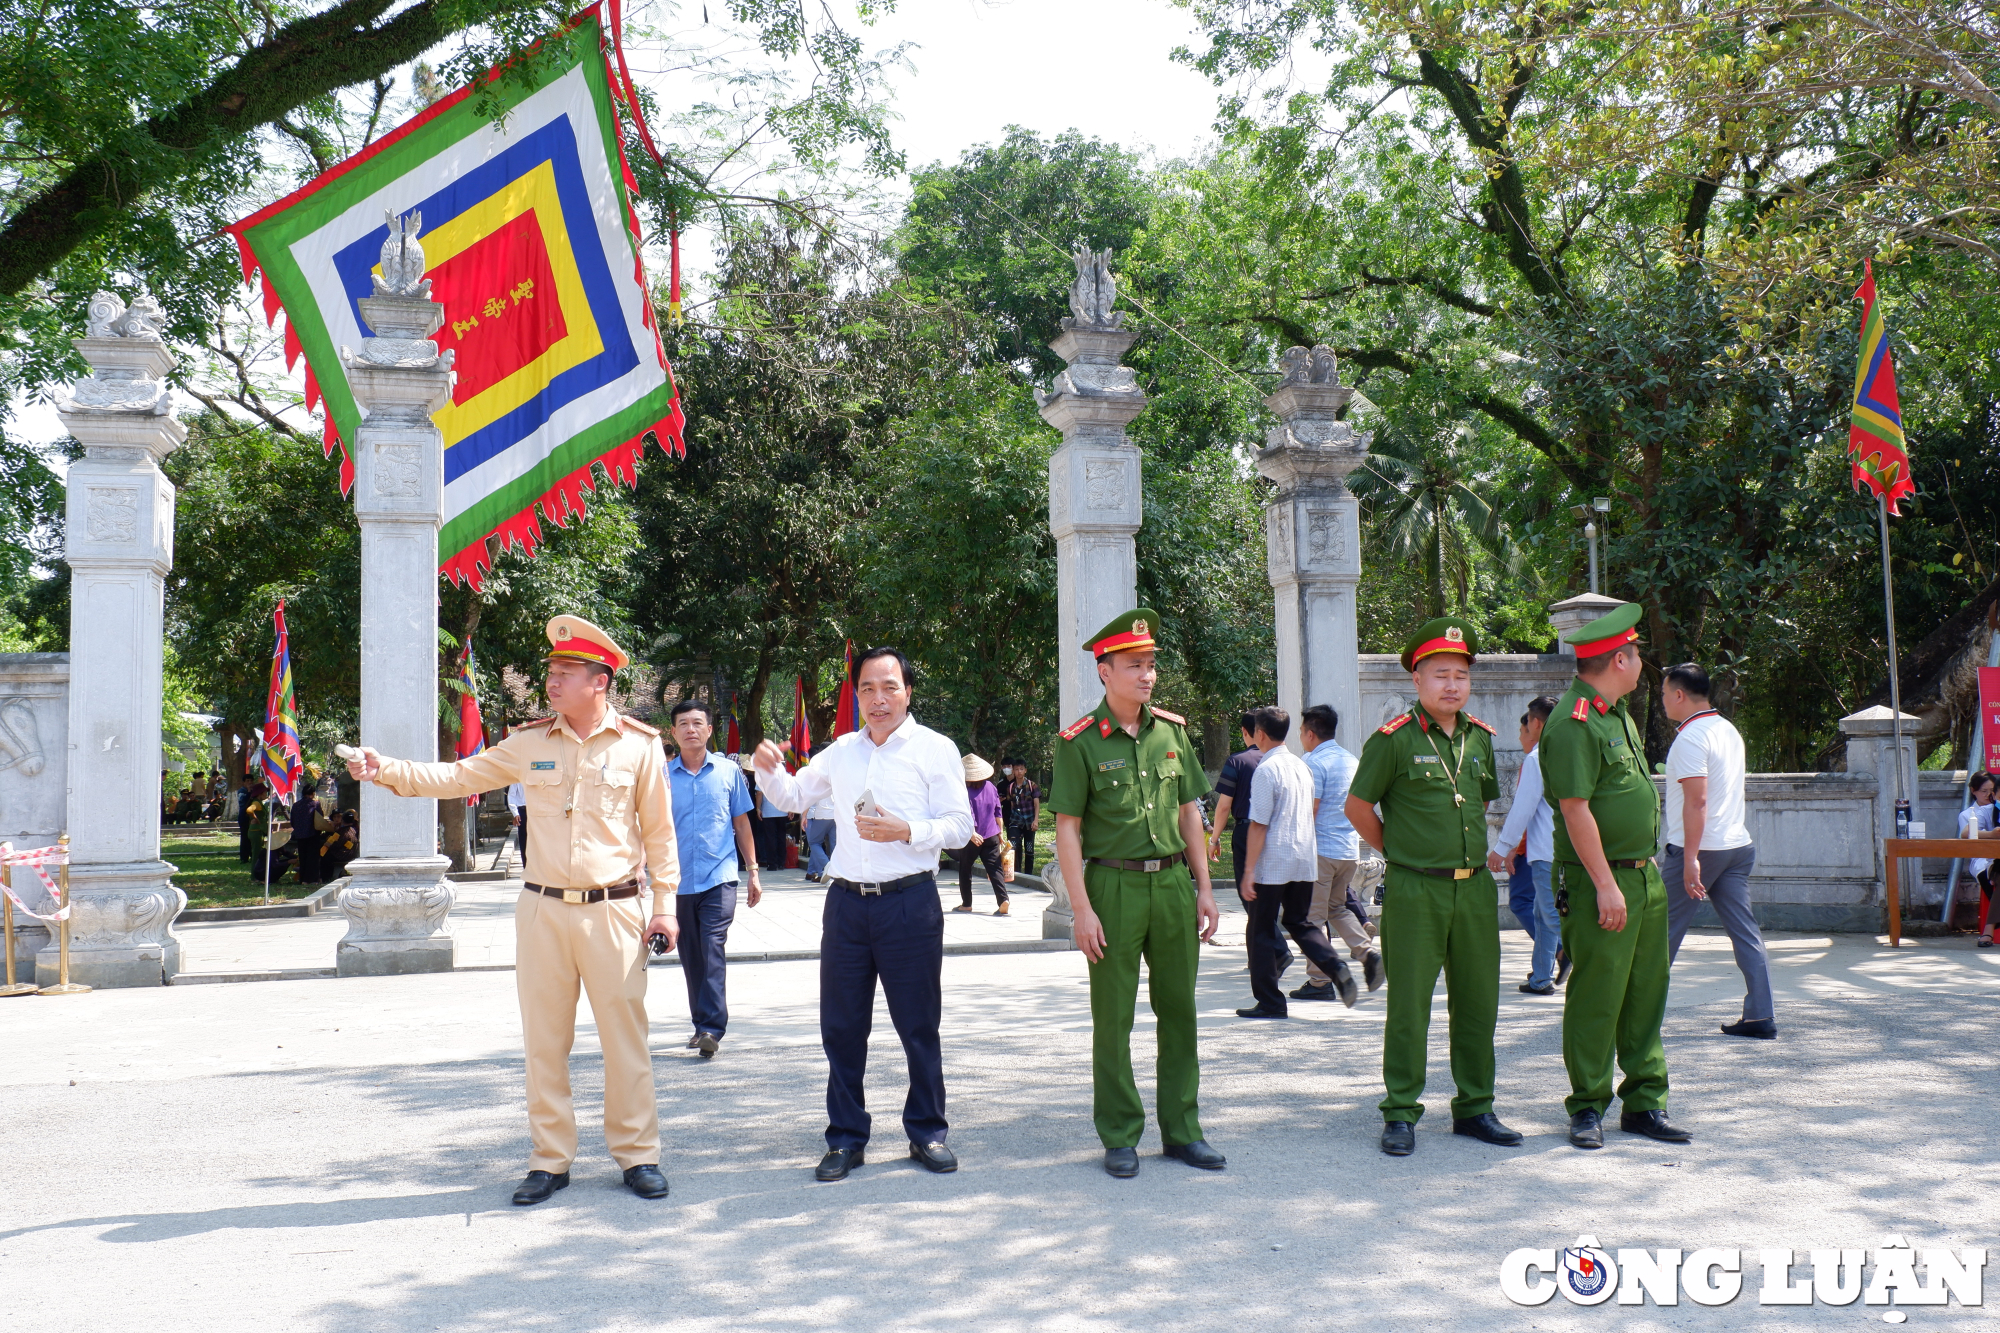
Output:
x,y
309,839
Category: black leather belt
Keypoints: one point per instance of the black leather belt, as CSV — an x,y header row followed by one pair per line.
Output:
x,y
1143,867
870,890
1438,872
628,889
1640,864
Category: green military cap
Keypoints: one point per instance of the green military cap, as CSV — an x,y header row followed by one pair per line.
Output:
x,y
1446,634
1133,629
1606,634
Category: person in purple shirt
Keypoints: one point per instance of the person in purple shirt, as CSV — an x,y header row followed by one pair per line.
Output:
x,y
985,844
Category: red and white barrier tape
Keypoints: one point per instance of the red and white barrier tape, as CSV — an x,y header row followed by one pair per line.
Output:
x,y
35,858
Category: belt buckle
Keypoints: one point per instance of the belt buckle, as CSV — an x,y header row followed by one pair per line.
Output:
x,y
1152,867
868,890
1461,874
572,895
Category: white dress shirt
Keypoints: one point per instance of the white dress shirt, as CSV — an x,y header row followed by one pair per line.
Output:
x,y
1281,799
1707,746
915,776
1530,816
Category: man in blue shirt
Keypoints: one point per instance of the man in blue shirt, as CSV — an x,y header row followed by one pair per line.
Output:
x,y
712,828
1339,854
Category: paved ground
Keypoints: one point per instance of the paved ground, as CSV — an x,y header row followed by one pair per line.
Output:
x,y
337,1155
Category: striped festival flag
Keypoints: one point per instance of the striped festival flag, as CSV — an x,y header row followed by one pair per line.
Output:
x,y
801,740
280,756
847,713
1875,441
471,726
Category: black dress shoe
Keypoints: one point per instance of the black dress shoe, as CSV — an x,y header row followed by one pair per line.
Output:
x,y
1563,964
708,1043
935,1156
1530,988
540,1185
1586,1130
1767,1028
646,1181
1343,982
1259,1011
1197,1153
1371,969
1654,1125
1121,1162
1399,1138
1311,992
837,1163
1487,1129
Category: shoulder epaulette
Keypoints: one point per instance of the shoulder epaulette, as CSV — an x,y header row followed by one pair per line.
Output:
x,y
1174,718
644,729
548,721
1581,711
1392,724
1075,729
1486,727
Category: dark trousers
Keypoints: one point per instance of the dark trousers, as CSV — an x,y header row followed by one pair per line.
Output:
x,y
770,841
1521,893
1289,903
898,938
987,853
1239,846
242,837
704,919
308,845
521,835
1023,838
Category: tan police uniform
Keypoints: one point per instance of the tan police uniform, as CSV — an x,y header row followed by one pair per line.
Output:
x,y
599,811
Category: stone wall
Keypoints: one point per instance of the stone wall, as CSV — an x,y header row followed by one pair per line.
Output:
x,y
34,768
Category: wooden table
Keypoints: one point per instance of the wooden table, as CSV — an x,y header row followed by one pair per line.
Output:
x,y
1894,849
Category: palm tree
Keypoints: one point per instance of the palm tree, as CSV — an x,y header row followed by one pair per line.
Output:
x,y
1430,506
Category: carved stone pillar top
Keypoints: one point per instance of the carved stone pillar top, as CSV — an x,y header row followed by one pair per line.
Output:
x,y
1095,396
1310,446
1574,613
123,404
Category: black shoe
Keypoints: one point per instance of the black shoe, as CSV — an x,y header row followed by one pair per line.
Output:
x,y
1343,981
646,1181
1586,1130
1654,1125
935,1156
837,1163
1121,1162
708,1043
1487,1129
1530,988
1371,969
1259,1011
1197,1153
1767,1028
540,1185
694,1041
1311,992
1563,964
1399,1138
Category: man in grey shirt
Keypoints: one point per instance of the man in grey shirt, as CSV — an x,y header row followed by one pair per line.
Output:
x,y
1281,865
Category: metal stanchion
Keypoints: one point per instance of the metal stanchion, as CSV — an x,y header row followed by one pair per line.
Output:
x,y
12,987
64,986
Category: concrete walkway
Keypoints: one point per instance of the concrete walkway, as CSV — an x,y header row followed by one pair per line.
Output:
x,y
337,1155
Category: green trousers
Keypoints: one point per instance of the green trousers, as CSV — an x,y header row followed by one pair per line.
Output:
x,y
1150,917
1617,996
1430,925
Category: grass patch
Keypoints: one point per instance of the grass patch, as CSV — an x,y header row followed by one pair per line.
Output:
x,y
210,874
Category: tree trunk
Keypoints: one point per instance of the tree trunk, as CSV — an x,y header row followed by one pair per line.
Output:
x,y
751,724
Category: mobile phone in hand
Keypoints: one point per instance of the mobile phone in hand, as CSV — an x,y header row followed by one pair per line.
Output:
x,y
866,805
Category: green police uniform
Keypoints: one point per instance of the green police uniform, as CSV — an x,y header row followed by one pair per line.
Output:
x,y
1127,793
1617,994
1440,910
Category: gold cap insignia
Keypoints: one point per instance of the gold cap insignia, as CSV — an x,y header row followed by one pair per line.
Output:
x,y
1454,633
1139,627
562,632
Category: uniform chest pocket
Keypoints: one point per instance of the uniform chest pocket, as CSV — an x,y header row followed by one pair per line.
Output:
x,y
544,790
1116,789
1426,767
1167,776
1617,755
612,788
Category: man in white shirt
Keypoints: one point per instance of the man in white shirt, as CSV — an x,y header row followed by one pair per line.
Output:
x,y
1532,818
1280,866
898,792
1338,855
1708,851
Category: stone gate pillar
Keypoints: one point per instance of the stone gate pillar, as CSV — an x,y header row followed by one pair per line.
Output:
x,y
398,897
119,542
1312,529
1094,506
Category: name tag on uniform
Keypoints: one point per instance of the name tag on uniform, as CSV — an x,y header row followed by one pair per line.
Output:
x,y
539,765
1426,759
1110,764
1618,741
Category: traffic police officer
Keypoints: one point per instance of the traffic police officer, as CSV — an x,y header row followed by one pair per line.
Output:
x,y
1431,771
599,806
1127,794
1608,890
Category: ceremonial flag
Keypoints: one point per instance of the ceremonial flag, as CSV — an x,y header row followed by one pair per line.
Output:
x,y
280,757
471,726
847,713
801,739
1875,431
532,247
733,746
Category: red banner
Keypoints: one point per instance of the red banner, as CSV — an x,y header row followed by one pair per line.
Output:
x,y
1989,718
